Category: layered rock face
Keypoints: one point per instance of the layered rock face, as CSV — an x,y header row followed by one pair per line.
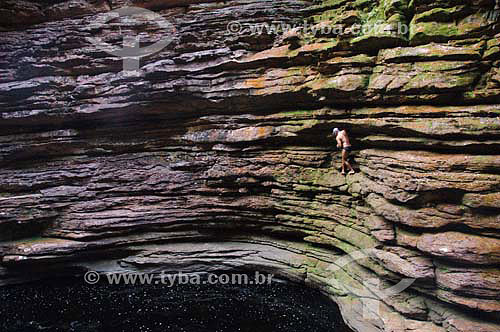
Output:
x,y
216,155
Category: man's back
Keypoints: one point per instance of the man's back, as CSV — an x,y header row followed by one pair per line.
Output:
x,y
344,138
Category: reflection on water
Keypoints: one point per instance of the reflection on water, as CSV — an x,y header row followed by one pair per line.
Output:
x,y
71,305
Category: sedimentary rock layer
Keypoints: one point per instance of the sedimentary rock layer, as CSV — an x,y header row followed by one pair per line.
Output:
x,y
216,155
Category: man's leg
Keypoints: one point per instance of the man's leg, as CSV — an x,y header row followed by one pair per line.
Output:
x,y
344,157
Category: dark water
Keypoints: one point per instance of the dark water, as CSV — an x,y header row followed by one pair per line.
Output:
x,y
62,305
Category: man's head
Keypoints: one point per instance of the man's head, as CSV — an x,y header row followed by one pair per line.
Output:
x,y
335,132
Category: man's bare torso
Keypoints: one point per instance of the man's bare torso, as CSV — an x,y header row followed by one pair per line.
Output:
x,y
342,136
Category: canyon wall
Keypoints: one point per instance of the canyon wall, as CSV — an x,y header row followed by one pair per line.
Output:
x,y
216,156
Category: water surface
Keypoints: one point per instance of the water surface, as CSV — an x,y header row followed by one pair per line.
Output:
x,y
72,305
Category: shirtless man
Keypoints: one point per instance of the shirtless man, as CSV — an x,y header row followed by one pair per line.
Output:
x,y
344,144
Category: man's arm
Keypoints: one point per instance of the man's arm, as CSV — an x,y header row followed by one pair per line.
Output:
x,y
339,142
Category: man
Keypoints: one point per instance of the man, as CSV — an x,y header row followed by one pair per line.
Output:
x,y
344,144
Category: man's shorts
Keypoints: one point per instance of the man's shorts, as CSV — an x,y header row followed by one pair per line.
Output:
x,y
347,148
